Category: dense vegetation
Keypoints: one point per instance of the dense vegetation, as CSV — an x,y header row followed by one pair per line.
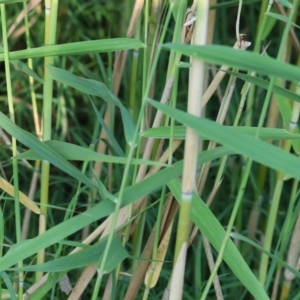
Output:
x,y
107,193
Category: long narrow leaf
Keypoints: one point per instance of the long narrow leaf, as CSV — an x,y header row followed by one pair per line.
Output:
x,y
9,285
95,88
179,133
44,151
55,234
109,134
215,233
25,69
74,152
288,95
231,138
243,60
83,258
84,47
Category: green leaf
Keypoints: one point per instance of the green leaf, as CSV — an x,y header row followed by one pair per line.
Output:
x,y
269,25
9,286
265,85
73,152
25,69
177,8
90,255
156,181
77,48
2,222
260,248
55,234
241,143
179,133
243,60
95,88
109,134
44,151
286,3
132,193
215,233
280,18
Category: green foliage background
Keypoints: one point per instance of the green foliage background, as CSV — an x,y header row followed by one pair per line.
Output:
x,y
88,36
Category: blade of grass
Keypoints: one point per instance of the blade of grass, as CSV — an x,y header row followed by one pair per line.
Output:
x,y
77,48
43,150
243,60
98,89
83,258
74,152
9,285
244,144
265,84
179,133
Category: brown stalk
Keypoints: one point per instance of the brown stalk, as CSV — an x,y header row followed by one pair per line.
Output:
x,y
12,30
170,210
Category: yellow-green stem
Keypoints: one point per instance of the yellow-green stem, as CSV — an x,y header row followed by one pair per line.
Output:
x,y
51,8
14,144
265,8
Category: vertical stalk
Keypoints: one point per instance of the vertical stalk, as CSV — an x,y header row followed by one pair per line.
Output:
x,y
150,142
51,7
14,143
279,184
190,154
37,123
150,273
261,28
31,80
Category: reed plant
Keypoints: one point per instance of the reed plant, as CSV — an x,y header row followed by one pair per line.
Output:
x,y
149,149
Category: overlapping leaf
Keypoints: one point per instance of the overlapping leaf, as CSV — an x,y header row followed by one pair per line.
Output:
x,y
231,138
243,60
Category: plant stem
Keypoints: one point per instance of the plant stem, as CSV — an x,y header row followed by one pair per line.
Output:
x,y
196,82
51,8
277,193
14,145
